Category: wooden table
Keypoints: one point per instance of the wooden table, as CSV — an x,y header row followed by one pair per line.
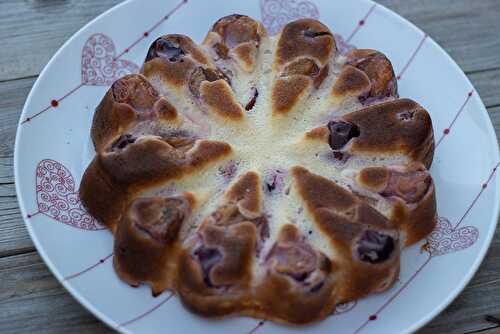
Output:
x,y
31,31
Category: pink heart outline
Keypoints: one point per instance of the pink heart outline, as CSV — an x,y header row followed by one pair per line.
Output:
x,y
447,239
99,64
56,196
276,13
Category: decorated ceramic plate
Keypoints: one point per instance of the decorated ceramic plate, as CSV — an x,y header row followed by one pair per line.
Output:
x,y
53,148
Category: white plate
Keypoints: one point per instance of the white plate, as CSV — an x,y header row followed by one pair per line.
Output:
x,y
53,148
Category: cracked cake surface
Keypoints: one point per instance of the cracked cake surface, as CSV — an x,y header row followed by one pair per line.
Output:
x,y
266,176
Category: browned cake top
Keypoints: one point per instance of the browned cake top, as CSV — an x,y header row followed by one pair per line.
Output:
x,y
258,175
305,38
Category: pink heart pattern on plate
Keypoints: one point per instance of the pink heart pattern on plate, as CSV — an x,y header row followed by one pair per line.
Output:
x,y
56,196
446,239
277,13
99,66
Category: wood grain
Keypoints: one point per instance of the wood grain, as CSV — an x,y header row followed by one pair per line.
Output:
x,y
33,301
487,85
30,297
466,29
495,330
31,31
14,238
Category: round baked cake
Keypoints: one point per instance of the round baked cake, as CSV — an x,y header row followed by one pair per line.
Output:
x,y
269,176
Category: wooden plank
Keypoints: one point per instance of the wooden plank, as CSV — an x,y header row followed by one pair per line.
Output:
x,y
495,119
32,31
495,330
466,29
12,97
32,301
487,85
14,238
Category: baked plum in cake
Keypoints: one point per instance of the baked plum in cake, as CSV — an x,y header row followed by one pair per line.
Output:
x,y
269,176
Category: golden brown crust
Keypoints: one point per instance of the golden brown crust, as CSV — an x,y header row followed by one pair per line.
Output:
x,y
165,110
345,220
109,118
220,100
411,192
130,102
322,195
368,76
113,178
374,178
173,59
319,134
175,75
175,63
146,244
128,99
247,194
351,82
237,37
305,38
237,29
378,69
299,274
422,220
228,260
104,198
301,63
215,270
400,126
287,92
246,54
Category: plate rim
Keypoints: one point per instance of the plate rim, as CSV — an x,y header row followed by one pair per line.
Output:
x,y
81,299
496,209
115,326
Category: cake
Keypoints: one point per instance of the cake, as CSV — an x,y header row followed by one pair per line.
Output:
x,y
268,176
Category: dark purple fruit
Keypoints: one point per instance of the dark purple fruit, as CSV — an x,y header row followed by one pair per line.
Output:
x,y
208,258
122,142
340,133
163,48
252,101
375,247
311,33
